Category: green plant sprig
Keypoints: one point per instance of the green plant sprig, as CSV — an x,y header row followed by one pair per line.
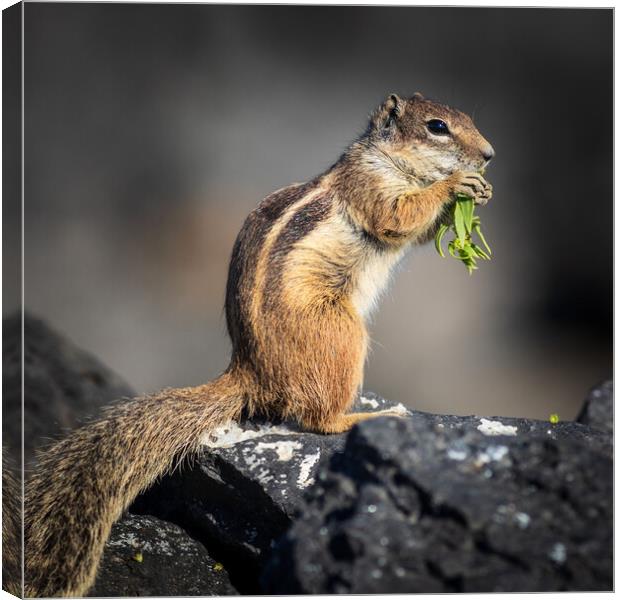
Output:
x,y
464,224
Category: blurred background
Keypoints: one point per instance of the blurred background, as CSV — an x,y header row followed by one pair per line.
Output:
x,y
151,131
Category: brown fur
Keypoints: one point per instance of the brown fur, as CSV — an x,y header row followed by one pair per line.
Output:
x,y
305,272
11,529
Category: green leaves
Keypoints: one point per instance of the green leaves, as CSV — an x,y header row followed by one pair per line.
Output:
x,y
439,237
459,222
464,224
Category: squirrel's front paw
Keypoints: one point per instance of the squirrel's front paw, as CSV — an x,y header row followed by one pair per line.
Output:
x,y
473,185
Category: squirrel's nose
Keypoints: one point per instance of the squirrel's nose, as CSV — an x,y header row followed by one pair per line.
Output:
x,y
488,153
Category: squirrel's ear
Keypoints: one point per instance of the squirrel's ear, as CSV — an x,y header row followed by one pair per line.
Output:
x,y
418,96
393,105
388,112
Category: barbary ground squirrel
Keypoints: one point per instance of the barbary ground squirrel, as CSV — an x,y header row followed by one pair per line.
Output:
x,y
306,271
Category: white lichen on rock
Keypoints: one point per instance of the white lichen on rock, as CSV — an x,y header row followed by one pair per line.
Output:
x,y
264,476
558,553
304,479
456,454
495,428
285,449
369,402
492,454
158,545
226,436
522,519
124,539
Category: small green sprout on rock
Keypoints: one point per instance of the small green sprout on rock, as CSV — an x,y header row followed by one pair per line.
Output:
x,y
138,557
554,418
464,223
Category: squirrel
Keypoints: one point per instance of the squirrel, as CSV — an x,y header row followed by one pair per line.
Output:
x,y
305,274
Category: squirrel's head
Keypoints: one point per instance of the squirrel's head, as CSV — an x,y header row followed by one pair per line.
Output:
x,y
427,139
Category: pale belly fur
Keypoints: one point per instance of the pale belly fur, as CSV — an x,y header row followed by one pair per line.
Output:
x,y
372,279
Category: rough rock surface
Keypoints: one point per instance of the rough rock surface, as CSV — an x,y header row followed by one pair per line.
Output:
x,y
63,384
243,491
598,408
417,504
443,504
148,557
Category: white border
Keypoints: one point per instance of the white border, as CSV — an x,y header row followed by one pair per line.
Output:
x,y
438,3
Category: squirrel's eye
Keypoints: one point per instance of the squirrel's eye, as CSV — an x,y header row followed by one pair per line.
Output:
x,y
438,127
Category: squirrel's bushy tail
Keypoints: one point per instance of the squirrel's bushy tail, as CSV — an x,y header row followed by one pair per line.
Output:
x,y
83,483
11,529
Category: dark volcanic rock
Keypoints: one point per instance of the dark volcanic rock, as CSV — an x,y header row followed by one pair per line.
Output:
x,y
432,504
148,557
243,491
426,503
62,385
598,409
